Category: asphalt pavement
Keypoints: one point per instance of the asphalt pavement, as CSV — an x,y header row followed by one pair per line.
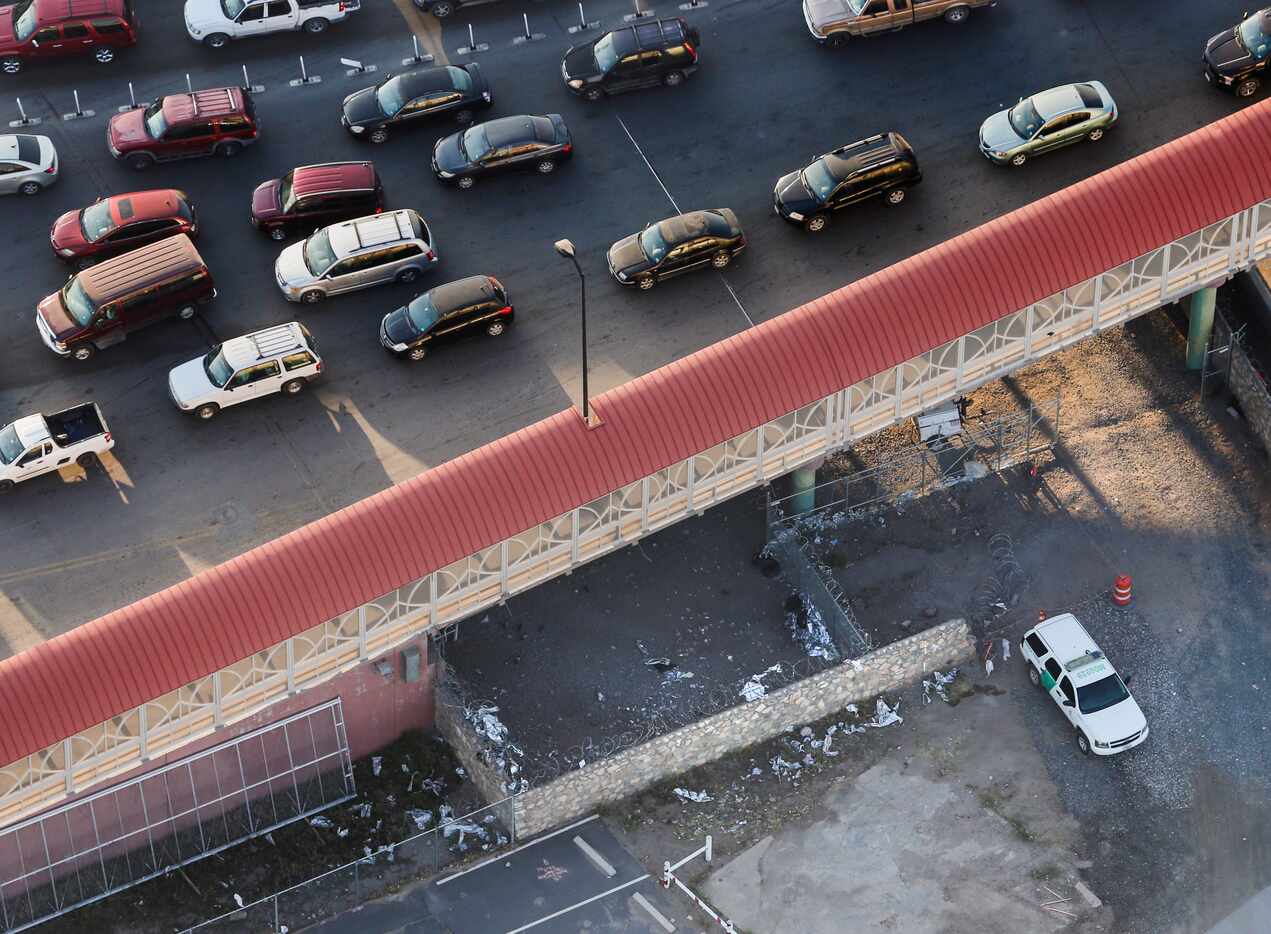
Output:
x,y
177,496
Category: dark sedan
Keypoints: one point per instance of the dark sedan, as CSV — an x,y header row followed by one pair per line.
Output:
x,y
1236,58
538,143
476,305
675,245
458,91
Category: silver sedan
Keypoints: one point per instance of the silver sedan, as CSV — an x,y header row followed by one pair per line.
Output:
x,y
28,164
1048,120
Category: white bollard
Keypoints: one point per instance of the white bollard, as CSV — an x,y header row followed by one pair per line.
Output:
x,y
23,119
416,59
527,36
132,101
473,46
305,78
79,113
582,24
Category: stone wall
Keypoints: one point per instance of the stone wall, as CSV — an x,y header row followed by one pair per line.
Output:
x,y
1245,383
465,743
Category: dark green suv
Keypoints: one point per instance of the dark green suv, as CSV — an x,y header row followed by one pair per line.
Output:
x,y
879,166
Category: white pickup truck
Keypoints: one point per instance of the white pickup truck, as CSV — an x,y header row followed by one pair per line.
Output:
x,y
37,444
216,22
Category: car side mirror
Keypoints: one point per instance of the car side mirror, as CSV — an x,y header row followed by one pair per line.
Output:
x,y
1067,703
1127,679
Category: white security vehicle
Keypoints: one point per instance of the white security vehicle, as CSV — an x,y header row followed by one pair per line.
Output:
x,y
28,164
278,359
37,444
1065,662
216,22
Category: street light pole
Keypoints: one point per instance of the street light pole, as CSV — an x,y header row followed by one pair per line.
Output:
x,y
566,249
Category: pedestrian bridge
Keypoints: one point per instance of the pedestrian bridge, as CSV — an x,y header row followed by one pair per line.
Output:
x,y
151,677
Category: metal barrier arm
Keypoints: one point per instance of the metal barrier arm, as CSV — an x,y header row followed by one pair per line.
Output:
x,y
668,877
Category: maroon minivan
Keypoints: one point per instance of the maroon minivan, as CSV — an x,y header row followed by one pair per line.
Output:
x,y
103,304
313,196
48,29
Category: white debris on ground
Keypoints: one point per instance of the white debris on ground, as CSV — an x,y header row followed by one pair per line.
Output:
x,y
937,684
501,753
362,810
676,675
420,817
322,823
377,763
698,797
486,724
804,748
754,688
807,625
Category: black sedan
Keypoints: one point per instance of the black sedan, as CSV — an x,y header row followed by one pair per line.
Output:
x,y
475,305
538,143
676,245
1236,58
456,90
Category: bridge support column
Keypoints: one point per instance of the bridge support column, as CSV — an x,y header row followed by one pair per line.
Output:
x,y
1200,321
803,482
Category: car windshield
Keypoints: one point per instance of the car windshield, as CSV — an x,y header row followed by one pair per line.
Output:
x,y
423,313
319,256
78,305
286,196
391,96
1253,38
1101,694
1024,118
233,7
96,221
606,55
24,20
217,368
819,180
653,244
156,126
10,447
474,143
857,6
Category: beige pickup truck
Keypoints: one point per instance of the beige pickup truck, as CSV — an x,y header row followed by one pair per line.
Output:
x,y
833,22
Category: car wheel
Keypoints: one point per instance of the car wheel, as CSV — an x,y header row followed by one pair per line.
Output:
x,y
86,460
546,167
228,150
816,223
1083,744
277,233
442,10
378,135
466,182
104,55
463,117
836,41
495,328
207,411
316,25
593,94
6,486
408,275
1095,135
1019,159
83,352
31,188
186,312
140,161
1246,88
957,14
673,78
895,196
312,297
721,259
415,354
217,40
293,387
1034,676
11,66
646,282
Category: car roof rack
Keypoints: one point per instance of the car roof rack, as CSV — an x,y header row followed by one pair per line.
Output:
x,y
272,341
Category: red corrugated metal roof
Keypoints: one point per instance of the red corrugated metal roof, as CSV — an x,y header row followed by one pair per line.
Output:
x,y
275,591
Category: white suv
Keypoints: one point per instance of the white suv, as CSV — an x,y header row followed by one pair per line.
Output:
x,y
392,247
278,359
1065,662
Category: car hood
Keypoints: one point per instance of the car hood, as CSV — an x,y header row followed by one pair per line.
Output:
x,y
825,12
1225,52
67,233
791,194
997,134
55,316
265,200
626,254
291,267
129,127
362,107
1115,722
447,154
399,328
204,13
189,384
580,62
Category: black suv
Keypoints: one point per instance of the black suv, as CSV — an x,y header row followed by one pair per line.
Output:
x,y
458,91
1236,57
663,51
880,165
476,305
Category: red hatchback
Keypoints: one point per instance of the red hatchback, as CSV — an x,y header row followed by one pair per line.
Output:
x,y
120,223
38,29
219,121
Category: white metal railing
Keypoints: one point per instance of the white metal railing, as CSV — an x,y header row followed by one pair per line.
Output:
x,y
625,515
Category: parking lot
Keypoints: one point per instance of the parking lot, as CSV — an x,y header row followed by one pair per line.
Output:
x,y
176,497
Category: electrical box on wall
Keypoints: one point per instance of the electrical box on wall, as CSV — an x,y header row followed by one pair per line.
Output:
x,y
411,663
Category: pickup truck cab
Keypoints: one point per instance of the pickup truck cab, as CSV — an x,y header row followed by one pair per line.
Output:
x,y
1067,664
216,22
36,444
833,22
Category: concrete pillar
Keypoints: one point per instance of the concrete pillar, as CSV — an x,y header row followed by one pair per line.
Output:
x,y
1200,322
803,481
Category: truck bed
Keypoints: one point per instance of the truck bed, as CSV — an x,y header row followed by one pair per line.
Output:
x,y
74,425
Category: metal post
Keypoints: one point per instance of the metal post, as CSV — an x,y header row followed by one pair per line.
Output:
x,y
583,25
418,58
188,86
525,19
1200,322
247,83
79,113
23,119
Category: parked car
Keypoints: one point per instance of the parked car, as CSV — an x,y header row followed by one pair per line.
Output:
x,y
393,247
219,121
52,29
114,225
1048,120
1236,58
833,22
105,303
216,22
458,91
661,51
443,8
475,305
36,444
312,196
882,165
277,359
28,164
539,143
1066,663
676,245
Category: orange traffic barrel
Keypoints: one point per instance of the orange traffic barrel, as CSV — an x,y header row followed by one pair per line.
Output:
x,y
1121,590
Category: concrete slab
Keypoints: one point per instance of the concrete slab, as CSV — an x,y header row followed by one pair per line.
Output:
x,y
1253,917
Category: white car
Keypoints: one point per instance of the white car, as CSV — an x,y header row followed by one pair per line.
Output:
x,y
1067,664
28,164
278,359
216,22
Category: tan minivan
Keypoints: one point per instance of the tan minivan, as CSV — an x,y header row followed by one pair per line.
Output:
x,y
833,22
103,304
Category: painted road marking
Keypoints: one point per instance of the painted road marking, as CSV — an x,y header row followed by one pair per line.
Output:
x,y
426,28
590,852
660,918
526,846
565,911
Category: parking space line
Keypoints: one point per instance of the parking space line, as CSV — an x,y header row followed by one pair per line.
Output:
x,y
740,306
647,905
524,846
590,852
565,911
656,177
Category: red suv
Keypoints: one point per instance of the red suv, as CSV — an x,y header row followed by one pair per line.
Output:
x,y
35,29
312,196
218,122
120,223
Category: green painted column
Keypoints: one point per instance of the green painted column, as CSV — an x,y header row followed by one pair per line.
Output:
x,y
804,483
1200,321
